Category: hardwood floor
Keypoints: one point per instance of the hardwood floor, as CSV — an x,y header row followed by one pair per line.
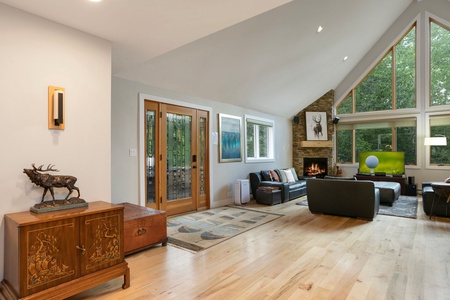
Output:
x,y
300,256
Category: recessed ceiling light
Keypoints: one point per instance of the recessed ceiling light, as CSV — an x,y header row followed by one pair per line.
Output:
x,y
345,58
319,29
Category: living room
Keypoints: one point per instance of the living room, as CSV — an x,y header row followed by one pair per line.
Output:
x,y
103,112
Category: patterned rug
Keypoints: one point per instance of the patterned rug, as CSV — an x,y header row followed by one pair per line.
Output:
x,y
404,206
204,229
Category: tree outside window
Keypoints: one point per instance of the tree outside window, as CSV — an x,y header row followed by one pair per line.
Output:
x,y
375,92
440,126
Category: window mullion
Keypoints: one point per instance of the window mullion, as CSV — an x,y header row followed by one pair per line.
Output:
x,y
394,80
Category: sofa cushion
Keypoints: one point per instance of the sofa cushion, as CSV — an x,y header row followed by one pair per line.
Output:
x,y
289,176
274,176
265,174
297,185
294,173
281,175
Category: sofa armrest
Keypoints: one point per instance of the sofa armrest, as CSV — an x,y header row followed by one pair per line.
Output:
x,y
428,183
427,197
255,181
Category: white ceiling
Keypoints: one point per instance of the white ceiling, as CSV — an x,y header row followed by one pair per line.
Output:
x,y
260,54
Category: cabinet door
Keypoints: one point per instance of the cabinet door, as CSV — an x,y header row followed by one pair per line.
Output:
x,y
101,235
51,255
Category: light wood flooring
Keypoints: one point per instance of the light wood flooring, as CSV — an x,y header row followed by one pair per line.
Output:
x,y
300,256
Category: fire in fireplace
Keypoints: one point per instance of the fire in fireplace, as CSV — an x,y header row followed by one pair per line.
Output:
x,y
315,166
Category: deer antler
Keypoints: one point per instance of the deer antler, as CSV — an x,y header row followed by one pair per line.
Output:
x,y
317,118
49,168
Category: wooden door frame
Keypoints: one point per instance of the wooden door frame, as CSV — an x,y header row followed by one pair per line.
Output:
x,y
141,133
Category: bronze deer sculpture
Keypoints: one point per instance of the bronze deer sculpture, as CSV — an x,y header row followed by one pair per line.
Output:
x,y
48,181
318,126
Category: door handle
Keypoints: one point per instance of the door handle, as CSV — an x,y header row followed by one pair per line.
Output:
x,y
194,167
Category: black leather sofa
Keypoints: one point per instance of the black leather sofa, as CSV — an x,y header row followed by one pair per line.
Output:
x,y
289,190
349,198
440,208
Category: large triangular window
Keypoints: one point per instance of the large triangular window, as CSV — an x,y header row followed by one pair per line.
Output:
x,y
391,84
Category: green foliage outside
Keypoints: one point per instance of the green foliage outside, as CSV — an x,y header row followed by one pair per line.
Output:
x,y
440,65
375,93
440,154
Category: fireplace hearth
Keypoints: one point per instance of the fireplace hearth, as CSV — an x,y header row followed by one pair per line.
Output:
x,y
315,166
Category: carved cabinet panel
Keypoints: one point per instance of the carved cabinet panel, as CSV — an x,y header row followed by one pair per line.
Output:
x,y
57,254
100,239
50,256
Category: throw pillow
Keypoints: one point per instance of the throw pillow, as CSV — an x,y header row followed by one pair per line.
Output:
x,y
281,175
274,176
294,173
289,176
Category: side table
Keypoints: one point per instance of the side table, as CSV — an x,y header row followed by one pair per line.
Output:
x,y
441,193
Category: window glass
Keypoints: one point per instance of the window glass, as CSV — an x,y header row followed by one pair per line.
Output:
x,y
344,144
263,140
250,127
259,139
373,139
407,142
346,106
375,91
439,65
440,126
395,135
405,71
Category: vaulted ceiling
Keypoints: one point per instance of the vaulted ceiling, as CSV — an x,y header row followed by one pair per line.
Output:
x,y
264,55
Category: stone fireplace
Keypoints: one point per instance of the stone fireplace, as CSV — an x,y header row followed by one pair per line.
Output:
x,y
315,166
300,149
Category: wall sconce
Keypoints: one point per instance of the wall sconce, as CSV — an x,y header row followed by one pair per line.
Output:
x,y
436,141
56,104
336,120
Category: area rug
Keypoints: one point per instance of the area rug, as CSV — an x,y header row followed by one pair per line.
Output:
x,y
404,206
204,229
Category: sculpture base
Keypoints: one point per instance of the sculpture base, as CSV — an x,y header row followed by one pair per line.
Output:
x,y
48,206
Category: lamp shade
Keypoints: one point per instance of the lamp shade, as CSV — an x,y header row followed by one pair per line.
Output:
x,y
436,141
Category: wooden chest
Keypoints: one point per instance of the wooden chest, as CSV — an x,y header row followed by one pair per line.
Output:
x,y
143,227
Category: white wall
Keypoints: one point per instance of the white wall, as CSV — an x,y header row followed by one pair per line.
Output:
x,y
34,54
125,169
416,11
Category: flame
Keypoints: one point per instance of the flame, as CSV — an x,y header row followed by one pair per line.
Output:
x,y
314,170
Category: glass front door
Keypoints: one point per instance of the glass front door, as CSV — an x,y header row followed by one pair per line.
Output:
x,y
176,158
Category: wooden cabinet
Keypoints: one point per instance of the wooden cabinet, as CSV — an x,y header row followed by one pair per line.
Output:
x,y
58,254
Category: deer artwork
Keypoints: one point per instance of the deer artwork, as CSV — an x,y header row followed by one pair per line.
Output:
x,y
318,127
48,181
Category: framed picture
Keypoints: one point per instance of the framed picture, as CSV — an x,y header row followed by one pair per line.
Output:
x,y
230,138
316,126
